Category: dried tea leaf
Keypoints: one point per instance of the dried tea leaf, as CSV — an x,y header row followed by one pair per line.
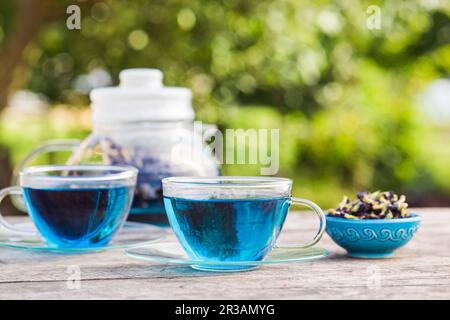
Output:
x,y
375,205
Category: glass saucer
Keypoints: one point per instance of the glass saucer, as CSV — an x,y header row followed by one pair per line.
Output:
x,y
173,253
132,234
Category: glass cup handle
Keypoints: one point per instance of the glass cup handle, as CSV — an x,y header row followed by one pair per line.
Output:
x,y
51,146
316,209
8,228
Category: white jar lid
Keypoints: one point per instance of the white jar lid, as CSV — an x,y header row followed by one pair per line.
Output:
x,y
141,96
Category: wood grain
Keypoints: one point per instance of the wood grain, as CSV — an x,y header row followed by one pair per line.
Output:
x,y
420,270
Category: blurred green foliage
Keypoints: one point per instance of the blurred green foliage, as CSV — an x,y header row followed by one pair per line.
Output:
x,y
342,94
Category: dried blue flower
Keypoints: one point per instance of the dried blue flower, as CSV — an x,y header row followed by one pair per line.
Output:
x,y
376,205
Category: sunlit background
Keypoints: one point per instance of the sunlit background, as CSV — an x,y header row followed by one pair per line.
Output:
x,y
359,108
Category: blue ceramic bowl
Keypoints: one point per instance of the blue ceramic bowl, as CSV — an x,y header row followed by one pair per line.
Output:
x,y
370,238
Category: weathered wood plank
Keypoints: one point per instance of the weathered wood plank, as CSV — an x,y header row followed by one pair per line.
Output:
x,y
419,270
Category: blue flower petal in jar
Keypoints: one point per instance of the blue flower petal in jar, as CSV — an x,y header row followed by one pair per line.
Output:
x,y
149,126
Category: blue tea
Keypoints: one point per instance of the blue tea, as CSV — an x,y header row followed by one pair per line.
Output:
x,y
227,229
78,217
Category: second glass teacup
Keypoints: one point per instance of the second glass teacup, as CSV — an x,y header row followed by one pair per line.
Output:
x,y
231,219
75,206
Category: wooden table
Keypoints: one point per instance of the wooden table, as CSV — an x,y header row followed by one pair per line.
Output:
x,y
420,270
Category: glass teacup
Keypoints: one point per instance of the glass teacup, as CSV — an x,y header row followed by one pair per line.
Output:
x,y
74,206
229,219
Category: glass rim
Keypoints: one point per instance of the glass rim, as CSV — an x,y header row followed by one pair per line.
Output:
x,y
123,173
221,181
